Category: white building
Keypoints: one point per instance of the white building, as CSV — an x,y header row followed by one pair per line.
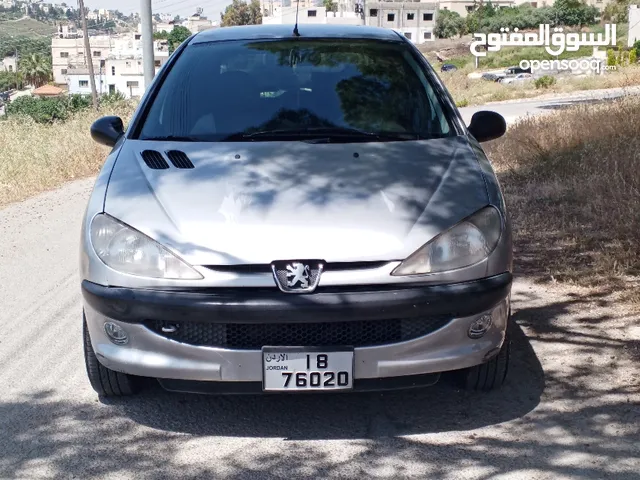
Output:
x,y
164,27
414,20
311,15
68,53
197,23
634,25
8,64
121,73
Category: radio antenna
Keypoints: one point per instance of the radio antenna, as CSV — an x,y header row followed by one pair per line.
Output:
x,y
295,27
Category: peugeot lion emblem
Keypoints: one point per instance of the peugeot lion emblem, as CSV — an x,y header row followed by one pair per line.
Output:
x,y
297,276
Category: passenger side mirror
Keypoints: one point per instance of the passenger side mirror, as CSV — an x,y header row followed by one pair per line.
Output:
x,y
486,125
107,130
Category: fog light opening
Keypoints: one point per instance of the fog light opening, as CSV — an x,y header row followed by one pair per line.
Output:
x,y
479,326
116,333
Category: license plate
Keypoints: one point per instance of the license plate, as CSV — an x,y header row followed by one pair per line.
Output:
x,y
307,369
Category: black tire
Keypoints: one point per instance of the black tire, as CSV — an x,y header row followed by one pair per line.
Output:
x,y
492,374
106,382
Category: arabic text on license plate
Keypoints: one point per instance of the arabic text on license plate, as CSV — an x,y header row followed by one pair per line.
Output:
x,y
295,369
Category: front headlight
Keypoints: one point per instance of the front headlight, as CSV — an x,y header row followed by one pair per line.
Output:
x,y
129,251
467,243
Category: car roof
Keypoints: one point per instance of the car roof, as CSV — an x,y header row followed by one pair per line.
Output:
x,y
252,32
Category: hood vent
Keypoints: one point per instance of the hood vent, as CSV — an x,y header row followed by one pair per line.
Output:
x,y
179,159
154,160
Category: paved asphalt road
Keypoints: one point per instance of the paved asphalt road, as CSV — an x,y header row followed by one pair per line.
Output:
x,y
513,110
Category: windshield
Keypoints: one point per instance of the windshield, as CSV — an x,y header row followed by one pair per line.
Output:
x,y
266,90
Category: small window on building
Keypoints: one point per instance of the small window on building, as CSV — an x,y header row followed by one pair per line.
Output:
x,y
64,54
410,16
373,12
113,70
63,71
97,53
428,17
11,68
128,64
132,84
84,83
426,35
445,8
391,17
311,13
158,63
408,35
138,36
470,8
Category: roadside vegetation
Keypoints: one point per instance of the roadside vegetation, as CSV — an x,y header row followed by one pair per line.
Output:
x,y
35,157
574,195
476,91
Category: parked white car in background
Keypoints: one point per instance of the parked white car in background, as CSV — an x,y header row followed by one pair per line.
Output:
x,y
521,77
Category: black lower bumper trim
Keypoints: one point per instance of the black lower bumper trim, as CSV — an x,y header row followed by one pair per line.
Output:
x,y
245,305
253,388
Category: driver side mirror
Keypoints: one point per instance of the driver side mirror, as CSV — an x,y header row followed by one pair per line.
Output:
x,y
486,125
107,130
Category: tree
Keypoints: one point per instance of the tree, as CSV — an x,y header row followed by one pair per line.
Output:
x,y
178,35
449,24
330,5
616,12
574,12
163,35
241,13
36,69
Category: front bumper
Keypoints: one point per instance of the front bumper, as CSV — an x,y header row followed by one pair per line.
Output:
x,y
153,355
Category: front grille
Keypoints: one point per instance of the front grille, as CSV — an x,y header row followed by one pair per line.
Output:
x,y
363,333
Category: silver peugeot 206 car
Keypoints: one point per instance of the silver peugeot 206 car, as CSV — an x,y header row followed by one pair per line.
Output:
x,y
294,212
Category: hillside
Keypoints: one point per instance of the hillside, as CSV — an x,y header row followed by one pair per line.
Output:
x,y
26,35
25,27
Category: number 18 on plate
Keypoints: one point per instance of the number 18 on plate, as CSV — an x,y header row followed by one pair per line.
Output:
x,y
306,368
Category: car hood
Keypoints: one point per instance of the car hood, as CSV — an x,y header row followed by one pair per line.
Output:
x,y
253,203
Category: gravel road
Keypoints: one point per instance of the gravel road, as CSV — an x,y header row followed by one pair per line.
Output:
x,y
571,408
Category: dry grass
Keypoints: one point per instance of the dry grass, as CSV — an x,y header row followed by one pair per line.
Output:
x,y
468,91
573,189
35,157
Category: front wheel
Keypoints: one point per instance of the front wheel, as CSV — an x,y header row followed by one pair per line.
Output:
x,y
106,382
492,374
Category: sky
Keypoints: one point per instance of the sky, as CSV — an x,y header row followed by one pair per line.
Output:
x,y
184,8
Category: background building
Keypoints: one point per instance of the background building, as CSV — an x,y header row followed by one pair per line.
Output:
x,y
116,60
414,20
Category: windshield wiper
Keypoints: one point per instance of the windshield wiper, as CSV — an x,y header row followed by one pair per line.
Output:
x,y
321,134
172,138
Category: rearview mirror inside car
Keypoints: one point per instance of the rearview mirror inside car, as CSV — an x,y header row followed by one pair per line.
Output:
x,y
486,125
107,130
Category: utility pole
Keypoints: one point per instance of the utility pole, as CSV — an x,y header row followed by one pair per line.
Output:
x,y
148,59
87,55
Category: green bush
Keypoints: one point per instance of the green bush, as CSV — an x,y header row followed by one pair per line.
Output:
x,y
112,98
79,102
42,110
633,56
545,81
612,59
